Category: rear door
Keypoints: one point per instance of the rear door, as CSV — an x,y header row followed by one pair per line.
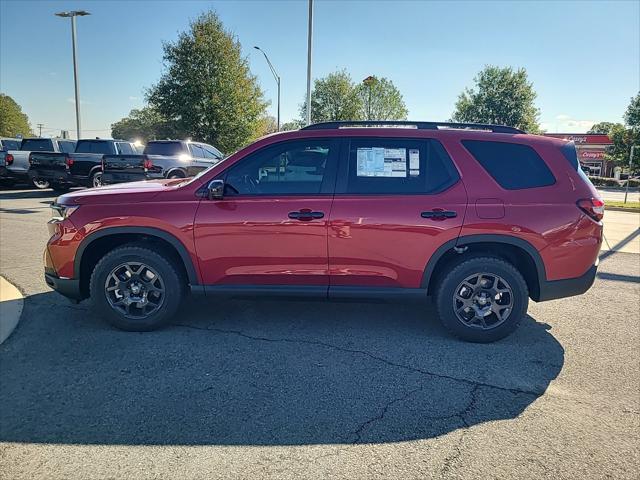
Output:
x,y
271,226
397,200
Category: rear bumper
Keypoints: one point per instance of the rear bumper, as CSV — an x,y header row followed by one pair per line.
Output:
x,y
6,174
68,287
51,176
551,290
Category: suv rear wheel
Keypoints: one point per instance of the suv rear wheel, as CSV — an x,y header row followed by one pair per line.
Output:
x,y
482,299
136,289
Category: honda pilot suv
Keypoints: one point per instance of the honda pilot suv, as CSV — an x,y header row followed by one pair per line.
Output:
x,y
478,217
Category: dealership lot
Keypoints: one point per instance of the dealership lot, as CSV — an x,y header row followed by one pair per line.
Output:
x,y
256,389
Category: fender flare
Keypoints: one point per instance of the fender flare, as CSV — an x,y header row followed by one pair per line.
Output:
x,y
483,238
181,170
148,231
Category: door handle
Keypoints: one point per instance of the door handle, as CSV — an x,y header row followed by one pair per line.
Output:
x,y
439,214
305,215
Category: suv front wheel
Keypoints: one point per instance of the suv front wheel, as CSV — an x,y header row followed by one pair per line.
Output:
x,y
482,299
136,289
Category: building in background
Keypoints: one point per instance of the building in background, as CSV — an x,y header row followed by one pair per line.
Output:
x,y
591,151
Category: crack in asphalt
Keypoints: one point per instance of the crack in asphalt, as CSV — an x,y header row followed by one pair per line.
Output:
x,y
365,353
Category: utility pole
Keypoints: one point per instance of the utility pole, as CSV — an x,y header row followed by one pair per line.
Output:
x,y
309,42
73,15
626,190
40,125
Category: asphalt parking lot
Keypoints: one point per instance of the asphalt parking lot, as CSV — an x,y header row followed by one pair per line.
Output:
x,y
264,389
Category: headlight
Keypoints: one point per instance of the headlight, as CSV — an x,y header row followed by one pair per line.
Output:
x,y
62,212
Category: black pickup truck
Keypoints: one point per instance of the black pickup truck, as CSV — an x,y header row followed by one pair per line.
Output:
x,y
160,159
80,168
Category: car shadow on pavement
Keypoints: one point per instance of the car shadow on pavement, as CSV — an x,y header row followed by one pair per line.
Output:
x,y
261,373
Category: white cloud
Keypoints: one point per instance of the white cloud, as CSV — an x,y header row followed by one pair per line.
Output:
x,y
564,123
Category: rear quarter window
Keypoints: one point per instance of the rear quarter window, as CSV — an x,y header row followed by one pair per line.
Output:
x,y
514,166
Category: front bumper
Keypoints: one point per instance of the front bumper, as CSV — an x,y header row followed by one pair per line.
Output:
x,y
68,287
551,290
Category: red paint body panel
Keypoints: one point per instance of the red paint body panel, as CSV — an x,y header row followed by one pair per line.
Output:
x,y
252,241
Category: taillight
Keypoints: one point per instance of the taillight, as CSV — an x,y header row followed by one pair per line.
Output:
x,y
68,161
8,159
147,164
594,207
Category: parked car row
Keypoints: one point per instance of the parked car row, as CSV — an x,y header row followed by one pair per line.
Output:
x,y
61,164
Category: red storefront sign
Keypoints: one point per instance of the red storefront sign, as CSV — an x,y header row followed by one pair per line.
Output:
x,y
591,154
582,139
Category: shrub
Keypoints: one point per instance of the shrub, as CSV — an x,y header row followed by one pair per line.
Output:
x,y
604,182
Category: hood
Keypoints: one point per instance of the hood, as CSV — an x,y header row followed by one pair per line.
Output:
x,y
120,193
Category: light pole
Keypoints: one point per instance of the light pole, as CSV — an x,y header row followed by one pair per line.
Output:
x,y
277,77
73,14
310,36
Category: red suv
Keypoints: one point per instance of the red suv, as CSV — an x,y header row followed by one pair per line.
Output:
x,y
479,217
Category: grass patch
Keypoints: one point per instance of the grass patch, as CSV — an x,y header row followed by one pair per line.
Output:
x,y
629,205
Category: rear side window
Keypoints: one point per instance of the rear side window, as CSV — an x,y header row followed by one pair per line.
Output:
x,y
398,166
10,145
125,148
514,166
67,147
168,149
37,145
94,146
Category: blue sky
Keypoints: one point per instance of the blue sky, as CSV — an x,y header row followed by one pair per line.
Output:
x,y
583,57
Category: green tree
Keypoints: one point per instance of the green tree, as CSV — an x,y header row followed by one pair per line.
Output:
x,y
380,99
144,124
602,127
333,98
268,124
12,121
623,138
632,115
206,89
502,96
292,125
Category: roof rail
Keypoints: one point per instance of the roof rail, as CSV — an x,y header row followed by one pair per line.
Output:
x,y
418,125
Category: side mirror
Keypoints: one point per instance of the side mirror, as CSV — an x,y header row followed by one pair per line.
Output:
x,y
216,189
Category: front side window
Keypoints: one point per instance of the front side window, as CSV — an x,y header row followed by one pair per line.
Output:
x,y
514,166
291,168
398,166
196,151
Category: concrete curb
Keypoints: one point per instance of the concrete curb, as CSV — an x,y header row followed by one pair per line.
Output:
x,y
620,209
11,303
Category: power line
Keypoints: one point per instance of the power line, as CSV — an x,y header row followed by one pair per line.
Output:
x,y
40,125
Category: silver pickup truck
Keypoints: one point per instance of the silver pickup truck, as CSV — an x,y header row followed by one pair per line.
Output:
x,y
14,164
160,159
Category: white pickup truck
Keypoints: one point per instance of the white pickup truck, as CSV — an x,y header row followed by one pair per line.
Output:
x,y
14,164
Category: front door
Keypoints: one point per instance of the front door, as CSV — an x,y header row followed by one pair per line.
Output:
x,y
397,200
271,226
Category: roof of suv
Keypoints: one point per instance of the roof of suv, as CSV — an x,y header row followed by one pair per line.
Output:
x,y
410,124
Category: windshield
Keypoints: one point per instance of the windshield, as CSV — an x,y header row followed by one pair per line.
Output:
x,y
37,145
168,149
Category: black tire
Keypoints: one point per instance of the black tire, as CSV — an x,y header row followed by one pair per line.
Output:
x,y
60,187
176,174
173,283
446,299
40,184
95,180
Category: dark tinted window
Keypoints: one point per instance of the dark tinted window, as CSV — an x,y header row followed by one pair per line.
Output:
x,y
67,147
36,145
400,166
286,169
125,148
569,152
94,146
165,148
10,145
512,165
211,152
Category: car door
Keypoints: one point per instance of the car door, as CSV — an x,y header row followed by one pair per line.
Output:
x,y
397,200
271,226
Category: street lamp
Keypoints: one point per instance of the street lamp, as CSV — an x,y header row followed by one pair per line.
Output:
x,y
277,77
73,14
309,47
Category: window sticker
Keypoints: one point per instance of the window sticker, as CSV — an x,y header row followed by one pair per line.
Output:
x,y
381,162
414,162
